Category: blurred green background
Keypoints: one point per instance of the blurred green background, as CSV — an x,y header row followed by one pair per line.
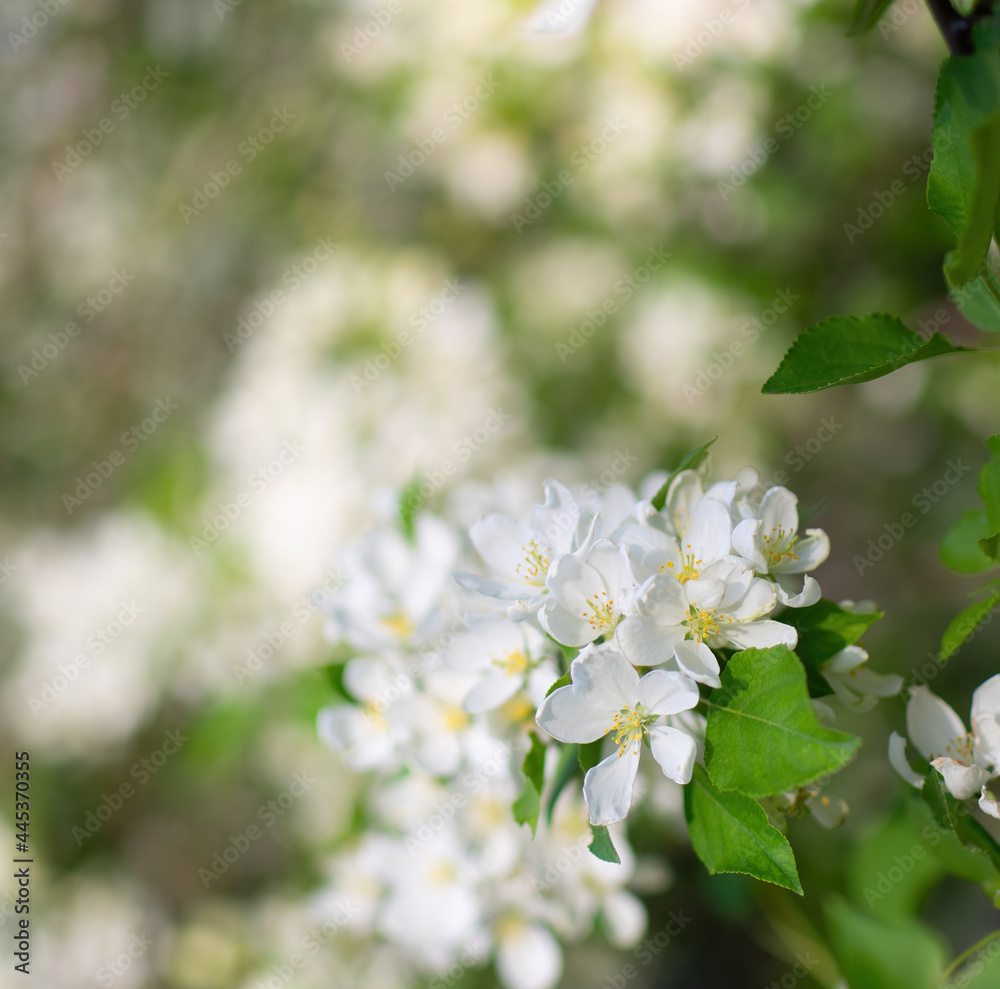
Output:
x,y
168,165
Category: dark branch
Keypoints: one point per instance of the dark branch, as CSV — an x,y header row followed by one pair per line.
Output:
x,y
955,29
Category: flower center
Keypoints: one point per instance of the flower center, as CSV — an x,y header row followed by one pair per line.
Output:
x,y
779,545
689,568
960,748
628,727
398,624
704,623
535,565
454,718
514,663
601,613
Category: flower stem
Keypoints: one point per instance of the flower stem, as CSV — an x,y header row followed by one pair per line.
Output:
x,y
967,954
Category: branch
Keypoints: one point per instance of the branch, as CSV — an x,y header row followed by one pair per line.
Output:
x,y
955,29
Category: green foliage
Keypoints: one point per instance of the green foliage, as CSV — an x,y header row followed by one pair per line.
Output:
x,y
730,832
954,816
867,13
602,846
590,754
963,186
564,681
691,460
965,623
528,804
960,549
989,491
566,769
876,953
763,736
846,350
824,629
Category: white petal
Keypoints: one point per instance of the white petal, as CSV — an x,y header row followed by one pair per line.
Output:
x,y
607,787
810,552
555,522
759,635
875,684
501,541
745,544
698,662
569,716
809,594
625,918
529,958
666,692
604,674
565,627
709,531
931,723
675,751
988,803
645,643
849,658
961,779
828,811
491,691
705,593
986,720
504,590
899,762
779,510
759,600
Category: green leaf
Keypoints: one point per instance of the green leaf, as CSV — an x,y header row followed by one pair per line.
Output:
x,y
989,491
963,186
960,549
564,681
846,350
534,763
691,460
867,13
529,800
566,769
953,815
877,953
602,846
528,805
965,623
979,302
824,629
410,502
763,736
730,832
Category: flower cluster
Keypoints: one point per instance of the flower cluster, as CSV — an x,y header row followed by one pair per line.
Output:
x,y
632,585
965,760
459,656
